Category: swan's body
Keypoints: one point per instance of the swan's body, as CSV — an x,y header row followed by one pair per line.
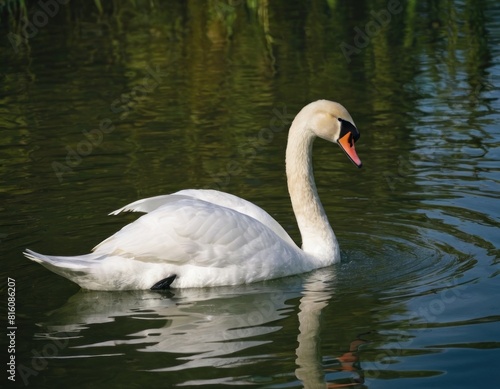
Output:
x,y
197,238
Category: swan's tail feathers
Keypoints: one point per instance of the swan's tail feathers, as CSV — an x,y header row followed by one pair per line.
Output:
x,y
66,266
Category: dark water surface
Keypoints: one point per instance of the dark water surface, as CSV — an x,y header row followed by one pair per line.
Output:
x,y
103,104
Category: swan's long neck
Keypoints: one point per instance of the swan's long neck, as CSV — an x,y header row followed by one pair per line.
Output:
x,y
318,238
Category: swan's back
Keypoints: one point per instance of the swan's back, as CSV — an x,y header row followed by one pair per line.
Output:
x,y
214,197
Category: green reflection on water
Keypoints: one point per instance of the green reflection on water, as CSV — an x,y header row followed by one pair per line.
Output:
x,y
419,219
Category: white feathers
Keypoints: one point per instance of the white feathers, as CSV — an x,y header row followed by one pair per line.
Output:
x,y
210,238
203,243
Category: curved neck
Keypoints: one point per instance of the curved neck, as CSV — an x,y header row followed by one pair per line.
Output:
x,y
318,238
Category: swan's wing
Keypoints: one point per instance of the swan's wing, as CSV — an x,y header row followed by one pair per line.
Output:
x,y
215,197
146,205
191,231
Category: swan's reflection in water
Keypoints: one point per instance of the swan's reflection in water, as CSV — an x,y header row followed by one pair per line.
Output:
x,y
206,327
310,369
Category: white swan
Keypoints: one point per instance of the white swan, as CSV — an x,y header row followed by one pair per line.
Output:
x,y
198,238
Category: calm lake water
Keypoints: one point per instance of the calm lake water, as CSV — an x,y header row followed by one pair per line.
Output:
x,y
102,104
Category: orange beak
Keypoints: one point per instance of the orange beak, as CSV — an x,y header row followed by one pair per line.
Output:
x,y
347,144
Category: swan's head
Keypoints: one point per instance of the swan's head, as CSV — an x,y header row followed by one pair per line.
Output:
x,y
331,121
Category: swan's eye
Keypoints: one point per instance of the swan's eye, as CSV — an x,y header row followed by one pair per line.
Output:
x,y
346,127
